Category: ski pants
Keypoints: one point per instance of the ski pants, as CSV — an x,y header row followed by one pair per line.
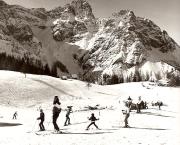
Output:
x,y
126,119
55,117
14,117
41,125
138,108
67,120
92,123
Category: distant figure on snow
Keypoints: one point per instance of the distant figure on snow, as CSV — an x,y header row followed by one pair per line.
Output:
x,y
42,117
56,112
159,104
139,104
129,100
93,119
69,111
15,115
126,113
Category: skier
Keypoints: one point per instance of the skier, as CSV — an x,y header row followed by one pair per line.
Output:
x,y
42,116
93,119
126,113
139,105
67,115
56,111
129,99
15,115
159,104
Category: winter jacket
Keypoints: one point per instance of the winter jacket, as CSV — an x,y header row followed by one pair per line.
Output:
x,y
42,116
68,112
56,109
93,118
126,110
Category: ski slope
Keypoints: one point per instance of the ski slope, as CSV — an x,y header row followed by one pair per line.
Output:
x,y
27,95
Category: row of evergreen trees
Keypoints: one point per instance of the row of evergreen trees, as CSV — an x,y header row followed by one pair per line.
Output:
x,y
25,65
174,79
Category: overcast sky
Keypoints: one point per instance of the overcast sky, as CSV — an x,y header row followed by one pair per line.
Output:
x,y
165,13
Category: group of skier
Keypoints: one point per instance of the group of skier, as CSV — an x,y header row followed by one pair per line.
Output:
x,y
57,109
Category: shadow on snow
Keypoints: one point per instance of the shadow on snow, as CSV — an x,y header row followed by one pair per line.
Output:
x,y
5,124
45,83
146,128
156,114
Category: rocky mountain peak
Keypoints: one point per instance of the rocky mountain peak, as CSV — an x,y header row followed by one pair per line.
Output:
x,y
125,15
124,44
122,48
76,18
3,4
82,9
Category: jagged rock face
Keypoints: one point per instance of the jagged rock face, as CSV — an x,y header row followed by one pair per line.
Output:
x,y
2,3
124,44
123,48
16,31
76,18
56,13
20,31
82,9
26,39
67,29
40,13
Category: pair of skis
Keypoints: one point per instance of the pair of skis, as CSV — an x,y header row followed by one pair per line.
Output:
x,y
49,132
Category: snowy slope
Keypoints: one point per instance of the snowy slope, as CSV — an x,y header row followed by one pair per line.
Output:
x,y
26,95
57,51
70,39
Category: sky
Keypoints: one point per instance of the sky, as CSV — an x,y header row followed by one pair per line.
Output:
x,y
165,13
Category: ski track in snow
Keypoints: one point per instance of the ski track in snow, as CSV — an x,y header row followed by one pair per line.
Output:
x,y
151,127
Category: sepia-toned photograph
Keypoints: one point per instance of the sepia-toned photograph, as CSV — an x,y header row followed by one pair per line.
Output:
x,y
89,72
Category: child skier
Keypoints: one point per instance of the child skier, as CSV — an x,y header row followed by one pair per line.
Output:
x,y
67,122
15,115
93,119
42,116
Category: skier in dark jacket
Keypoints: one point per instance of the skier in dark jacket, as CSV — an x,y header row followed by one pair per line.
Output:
x,y
15,115
42,116
69,111
139,103
93,119
159,104
56,111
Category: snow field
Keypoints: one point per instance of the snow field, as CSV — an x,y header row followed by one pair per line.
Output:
x,y
26,95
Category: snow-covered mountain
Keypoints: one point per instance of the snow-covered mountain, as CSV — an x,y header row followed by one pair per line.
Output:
x,y
26,42
71,39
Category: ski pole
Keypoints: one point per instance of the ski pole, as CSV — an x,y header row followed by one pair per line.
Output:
x,y
34,126
48,124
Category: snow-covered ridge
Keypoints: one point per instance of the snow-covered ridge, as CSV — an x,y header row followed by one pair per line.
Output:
x,y
122,46
125,43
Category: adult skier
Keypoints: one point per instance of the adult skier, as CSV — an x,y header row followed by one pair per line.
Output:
x,y
56,111
126,113
42,117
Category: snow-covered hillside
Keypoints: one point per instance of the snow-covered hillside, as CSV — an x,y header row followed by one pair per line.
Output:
x,y
26,95
70,39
